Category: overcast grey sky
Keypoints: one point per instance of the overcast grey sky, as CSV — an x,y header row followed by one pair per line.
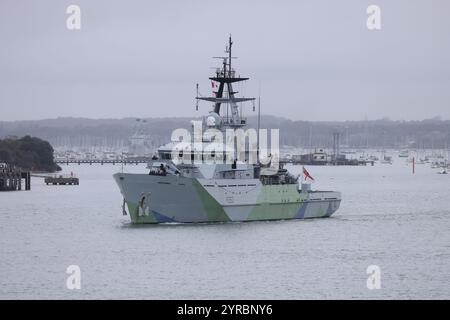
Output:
x,y
314,60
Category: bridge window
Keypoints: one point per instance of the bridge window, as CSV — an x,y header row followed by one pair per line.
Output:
x,y
166,155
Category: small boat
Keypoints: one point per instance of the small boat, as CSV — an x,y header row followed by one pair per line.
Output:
x,y
404,154
386,159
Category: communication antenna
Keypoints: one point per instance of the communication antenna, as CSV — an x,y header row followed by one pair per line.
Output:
x,y
259,124
196,103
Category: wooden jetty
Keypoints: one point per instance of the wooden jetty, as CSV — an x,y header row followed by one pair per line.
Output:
x,y
60,180
13,178
337,162
102,161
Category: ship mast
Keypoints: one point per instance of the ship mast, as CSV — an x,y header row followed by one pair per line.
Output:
x,y
226,76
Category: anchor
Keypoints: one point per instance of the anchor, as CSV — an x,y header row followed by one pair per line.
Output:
x,y
124,210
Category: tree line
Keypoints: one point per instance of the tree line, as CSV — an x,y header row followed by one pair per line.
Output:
x,y
28,153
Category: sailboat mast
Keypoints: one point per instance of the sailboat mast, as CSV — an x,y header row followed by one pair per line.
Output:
x,y
230,43
257,132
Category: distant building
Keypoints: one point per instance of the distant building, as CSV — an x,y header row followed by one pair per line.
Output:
x,y
318,157
138,141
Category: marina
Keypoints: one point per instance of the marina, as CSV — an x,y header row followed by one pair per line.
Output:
x,y
320,158
103,161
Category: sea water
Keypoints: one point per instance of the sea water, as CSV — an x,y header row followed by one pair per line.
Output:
x,y
389,218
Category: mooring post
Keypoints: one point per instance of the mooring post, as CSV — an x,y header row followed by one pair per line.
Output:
x,y
28,181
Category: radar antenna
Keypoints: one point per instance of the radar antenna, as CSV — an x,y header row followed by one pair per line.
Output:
x,y
226,76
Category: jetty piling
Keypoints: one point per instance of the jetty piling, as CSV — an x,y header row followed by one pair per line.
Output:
x,y
11,178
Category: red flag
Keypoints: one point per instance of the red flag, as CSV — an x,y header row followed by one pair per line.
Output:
x,y
307,175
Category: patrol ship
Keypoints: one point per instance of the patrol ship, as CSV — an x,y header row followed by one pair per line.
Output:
x,y
189,183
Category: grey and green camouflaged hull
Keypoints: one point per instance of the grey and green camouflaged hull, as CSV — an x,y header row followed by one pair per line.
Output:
x,y
162,199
